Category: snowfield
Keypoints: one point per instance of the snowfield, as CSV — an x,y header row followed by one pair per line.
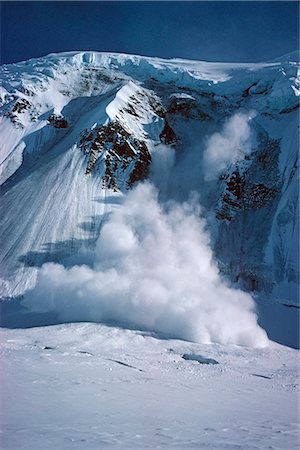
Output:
x,y
88,386
149,229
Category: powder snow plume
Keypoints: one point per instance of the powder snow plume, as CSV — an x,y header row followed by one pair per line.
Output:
x,y
230,144
153,269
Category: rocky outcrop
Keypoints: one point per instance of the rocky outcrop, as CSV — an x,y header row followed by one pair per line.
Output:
x,y
126,158
249,198
255,186
130,105
168,136
186,106
58,121
17,109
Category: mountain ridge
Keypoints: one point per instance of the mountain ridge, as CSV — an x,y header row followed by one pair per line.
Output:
x,y
290,56
105,119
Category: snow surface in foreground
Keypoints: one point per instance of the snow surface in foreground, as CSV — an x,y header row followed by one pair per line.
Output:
x,y
88,386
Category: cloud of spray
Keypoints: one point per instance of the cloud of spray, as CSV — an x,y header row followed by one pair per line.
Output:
x,y
231,144
153,270
162,166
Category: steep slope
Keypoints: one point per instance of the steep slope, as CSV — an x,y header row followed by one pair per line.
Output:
x,y
53,143
79,129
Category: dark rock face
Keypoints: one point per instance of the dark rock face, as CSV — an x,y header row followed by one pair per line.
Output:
x,y
248,201
251,210
58,121
135,105
254,187
168,136
156,106
21,105
118,154
186,107
18,108
127,159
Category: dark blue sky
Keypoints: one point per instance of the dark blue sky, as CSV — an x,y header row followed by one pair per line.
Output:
x,y
213,31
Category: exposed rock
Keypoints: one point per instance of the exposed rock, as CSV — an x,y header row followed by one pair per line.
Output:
x,y
21,105
247,92
58,121
131,110
126,158
136,104
253,187
168,136
141,168
186,106
250,195
156,106
18,108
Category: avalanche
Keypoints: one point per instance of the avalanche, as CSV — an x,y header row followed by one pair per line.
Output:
x,y
123,118
159,199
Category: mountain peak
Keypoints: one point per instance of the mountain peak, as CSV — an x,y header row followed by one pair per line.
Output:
x,y
82,129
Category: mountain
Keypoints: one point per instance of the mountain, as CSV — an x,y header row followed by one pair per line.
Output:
x,y
80,129
149,214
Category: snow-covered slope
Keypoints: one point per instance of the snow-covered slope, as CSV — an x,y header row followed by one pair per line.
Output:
x,y
80,129
88,386
151,196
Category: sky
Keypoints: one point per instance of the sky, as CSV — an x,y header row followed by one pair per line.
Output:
x,y
245,31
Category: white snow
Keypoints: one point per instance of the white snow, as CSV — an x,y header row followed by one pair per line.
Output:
x,y
229,145
144,263
87,386
148,125
153,270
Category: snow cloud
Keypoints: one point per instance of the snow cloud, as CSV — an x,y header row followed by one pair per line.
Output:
x,y
232,143
153,270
